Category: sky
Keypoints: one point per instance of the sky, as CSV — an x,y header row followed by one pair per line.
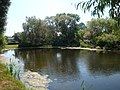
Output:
x,y
19,9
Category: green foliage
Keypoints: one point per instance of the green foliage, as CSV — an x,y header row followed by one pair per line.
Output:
x,y
2,41
35,33
99,26
8,82
59,30
14,71
4,4
107,40
97,7
82,26
98,47
17,36
100,32
86,45
117,33
64,28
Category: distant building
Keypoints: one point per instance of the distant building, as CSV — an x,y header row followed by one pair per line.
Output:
x,y
10,40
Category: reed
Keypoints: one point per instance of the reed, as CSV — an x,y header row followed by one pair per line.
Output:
x,y
14,70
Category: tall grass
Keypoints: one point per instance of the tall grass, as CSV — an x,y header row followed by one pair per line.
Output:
x,y
8,82
11,46
14,70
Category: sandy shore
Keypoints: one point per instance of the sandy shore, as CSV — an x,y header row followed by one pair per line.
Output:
x,y
79,48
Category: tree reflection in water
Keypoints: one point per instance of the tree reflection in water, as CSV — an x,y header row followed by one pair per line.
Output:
x,y
71,67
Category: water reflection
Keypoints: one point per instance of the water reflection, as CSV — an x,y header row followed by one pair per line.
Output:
x,y
70,67
56,62
103,63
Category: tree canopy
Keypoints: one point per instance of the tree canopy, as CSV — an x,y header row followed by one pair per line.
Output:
x,y
4,5
67,30
64,29
97,7
100,32
35,32
59,30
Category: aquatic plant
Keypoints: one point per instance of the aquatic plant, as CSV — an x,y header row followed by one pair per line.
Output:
x,y
83,86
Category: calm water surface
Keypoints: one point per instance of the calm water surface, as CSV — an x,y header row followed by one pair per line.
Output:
x,y
68,68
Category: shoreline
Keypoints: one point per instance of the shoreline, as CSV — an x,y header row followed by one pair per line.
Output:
x,y
8,82
31,80
59,47
80,48
62,48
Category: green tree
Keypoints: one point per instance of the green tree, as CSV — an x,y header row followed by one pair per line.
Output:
x,y
52,27
64,28
99,26
35,32
2,41
97,30
17,37
108,41
4,4
97,7
82,26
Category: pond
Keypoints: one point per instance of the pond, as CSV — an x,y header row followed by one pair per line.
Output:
x,y
69,68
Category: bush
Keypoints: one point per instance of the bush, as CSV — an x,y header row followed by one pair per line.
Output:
x,y
82,44
98,47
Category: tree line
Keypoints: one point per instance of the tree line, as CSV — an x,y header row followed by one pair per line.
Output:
x,y
66,30
4,5
59,38
59,30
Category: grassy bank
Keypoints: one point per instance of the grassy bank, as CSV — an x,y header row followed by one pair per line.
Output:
x,y
11,46
8,82
7,47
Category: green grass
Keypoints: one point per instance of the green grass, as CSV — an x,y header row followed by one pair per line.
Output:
x,y
11,46
8,82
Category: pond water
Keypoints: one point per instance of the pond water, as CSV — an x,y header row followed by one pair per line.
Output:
x,y
69,68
